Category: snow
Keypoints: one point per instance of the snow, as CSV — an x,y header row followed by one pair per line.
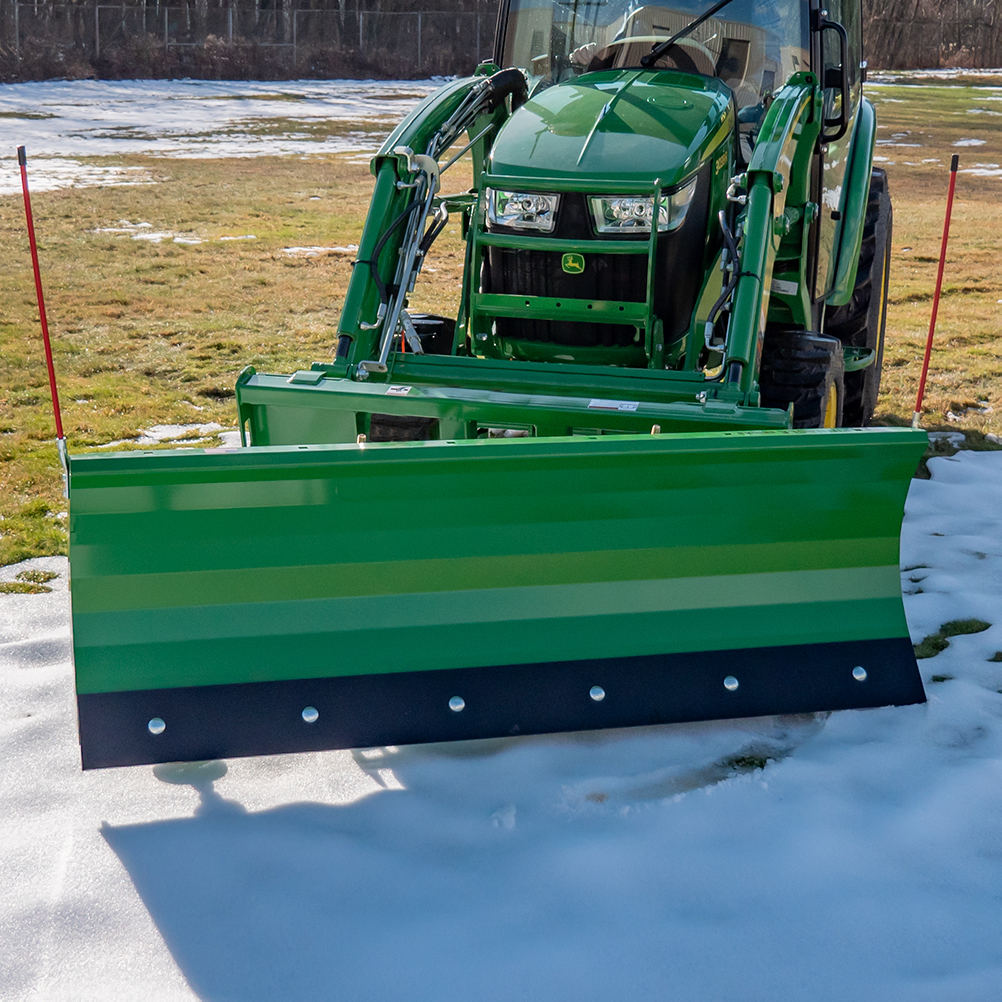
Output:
x,y
177,434
59,121
193,118
953,74
317,251
863,862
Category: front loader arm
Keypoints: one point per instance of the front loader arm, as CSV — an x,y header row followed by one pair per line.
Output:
x,y
403,180
777,192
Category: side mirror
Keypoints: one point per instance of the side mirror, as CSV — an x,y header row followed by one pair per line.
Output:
x,y
835,77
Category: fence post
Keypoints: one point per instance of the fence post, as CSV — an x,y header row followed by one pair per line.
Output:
x,y
360,48
166,35
295,50
478,38
229,24
17,34
97,32
418,67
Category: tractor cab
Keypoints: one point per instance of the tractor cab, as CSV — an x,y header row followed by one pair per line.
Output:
x,y
753,46
636,113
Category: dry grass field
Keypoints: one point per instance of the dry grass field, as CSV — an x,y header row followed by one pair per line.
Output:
x,y
152,333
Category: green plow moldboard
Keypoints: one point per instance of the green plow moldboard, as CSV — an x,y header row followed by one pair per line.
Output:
x,y
266,600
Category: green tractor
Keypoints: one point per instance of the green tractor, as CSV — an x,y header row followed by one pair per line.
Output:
x,y
628,483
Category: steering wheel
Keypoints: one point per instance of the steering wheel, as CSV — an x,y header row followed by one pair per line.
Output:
x,y
692,57
688,55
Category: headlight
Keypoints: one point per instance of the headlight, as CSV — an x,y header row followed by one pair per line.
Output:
x,y
626,214
522,210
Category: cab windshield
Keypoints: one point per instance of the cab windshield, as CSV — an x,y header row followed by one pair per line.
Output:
x,y
751,45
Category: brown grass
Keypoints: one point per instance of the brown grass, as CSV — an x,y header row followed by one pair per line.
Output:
x,y
966,364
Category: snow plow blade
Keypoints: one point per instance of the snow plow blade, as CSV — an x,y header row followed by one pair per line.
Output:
x,y
297,598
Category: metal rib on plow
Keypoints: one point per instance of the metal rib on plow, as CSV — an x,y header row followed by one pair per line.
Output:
x,y
549,584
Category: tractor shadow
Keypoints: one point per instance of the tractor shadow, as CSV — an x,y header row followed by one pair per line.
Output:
x,y
455,880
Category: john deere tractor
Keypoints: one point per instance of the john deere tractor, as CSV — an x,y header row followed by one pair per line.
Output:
x,y
629,482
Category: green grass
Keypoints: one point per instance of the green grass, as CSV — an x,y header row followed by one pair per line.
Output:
x,y
156,333
938,642
745,763
28,583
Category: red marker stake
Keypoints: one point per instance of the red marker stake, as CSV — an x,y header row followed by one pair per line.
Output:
x,y
22,160
917,416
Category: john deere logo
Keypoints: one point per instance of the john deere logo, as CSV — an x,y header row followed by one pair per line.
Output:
x,y
573,264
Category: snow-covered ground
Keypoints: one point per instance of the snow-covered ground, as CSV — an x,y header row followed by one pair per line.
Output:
x,y
864,862
59,121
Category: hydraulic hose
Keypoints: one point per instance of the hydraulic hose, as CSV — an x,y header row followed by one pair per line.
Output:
x,y
728,290
372,262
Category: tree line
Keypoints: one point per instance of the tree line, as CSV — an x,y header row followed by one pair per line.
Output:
x,y
277,39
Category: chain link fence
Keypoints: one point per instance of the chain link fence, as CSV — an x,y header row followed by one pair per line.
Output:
x,y
152,41
238,40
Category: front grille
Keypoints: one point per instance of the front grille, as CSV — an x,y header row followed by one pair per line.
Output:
x,y
606,277
539,273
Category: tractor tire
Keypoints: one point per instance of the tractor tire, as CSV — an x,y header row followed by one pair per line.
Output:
x,y
861,322
804,369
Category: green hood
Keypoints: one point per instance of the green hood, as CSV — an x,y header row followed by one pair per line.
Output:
x,y
624,125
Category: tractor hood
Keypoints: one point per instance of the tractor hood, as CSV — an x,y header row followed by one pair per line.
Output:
x,y
622,125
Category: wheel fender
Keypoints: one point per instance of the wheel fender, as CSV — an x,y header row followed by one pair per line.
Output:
x,y
854,194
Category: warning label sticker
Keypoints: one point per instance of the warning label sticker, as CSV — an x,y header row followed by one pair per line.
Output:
x,y
613,405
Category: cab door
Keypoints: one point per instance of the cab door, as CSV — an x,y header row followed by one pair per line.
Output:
x,y
837,51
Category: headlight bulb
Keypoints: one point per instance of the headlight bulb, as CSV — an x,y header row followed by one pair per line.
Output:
x,y
522,210
630,214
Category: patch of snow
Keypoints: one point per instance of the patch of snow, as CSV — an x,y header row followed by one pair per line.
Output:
x,y
885,77
50,174
970,142
248,236
154,236
315,251
980,408
230,439
202,118
145,231
173,434
954,438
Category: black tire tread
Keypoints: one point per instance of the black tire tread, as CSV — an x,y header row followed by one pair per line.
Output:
x,y
797,368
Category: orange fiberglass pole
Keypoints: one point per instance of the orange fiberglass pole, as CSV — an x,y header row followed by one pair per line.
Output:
x,y
22,160
917,416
